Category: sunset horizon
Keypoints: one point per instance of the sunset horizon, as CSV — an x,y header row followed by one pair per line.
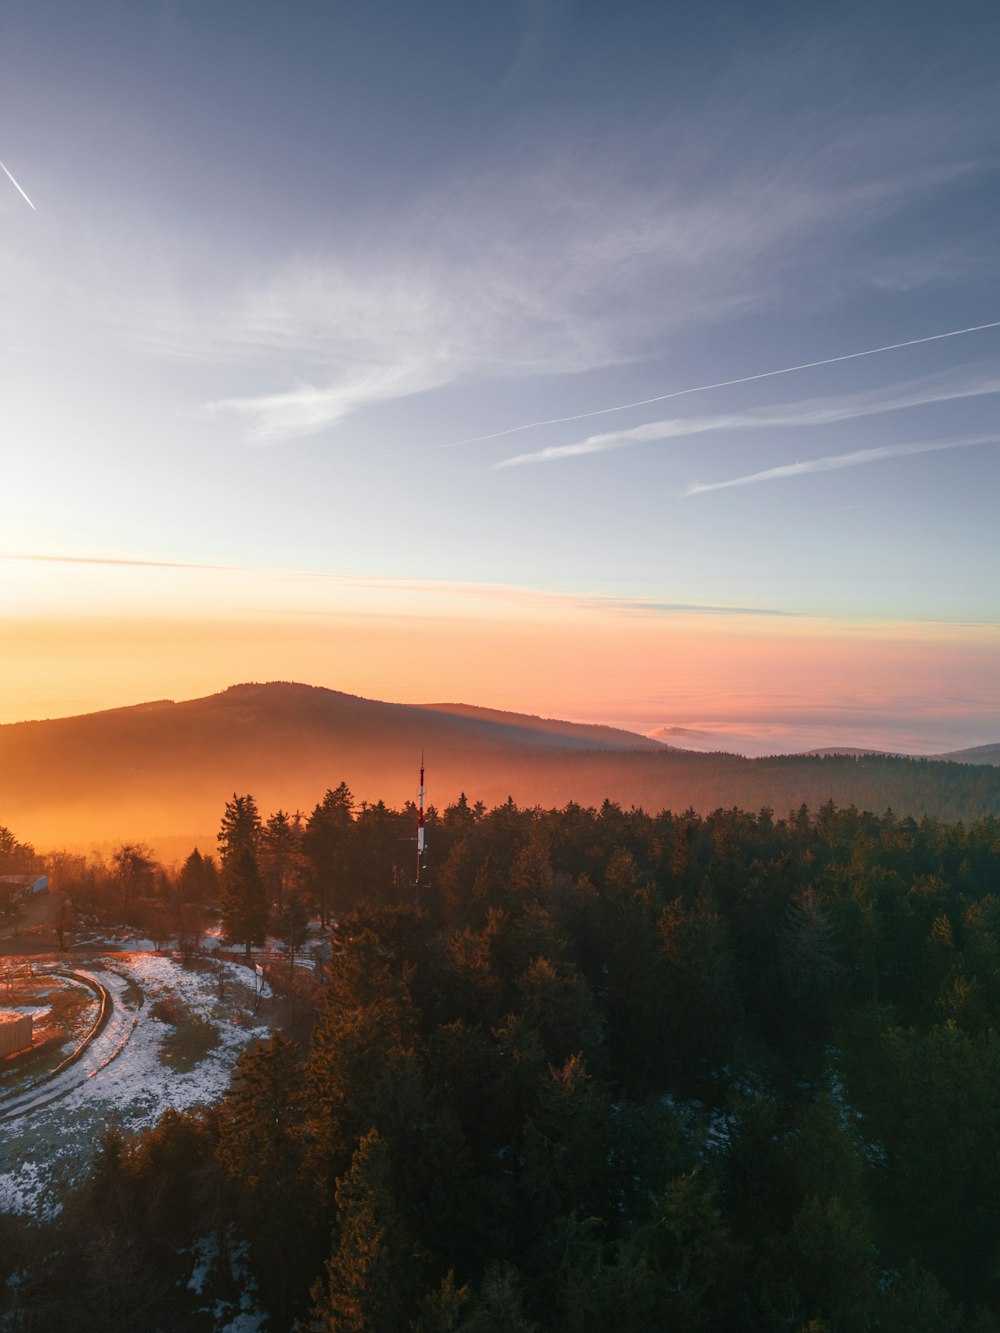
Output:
x,y
685,397
499,667
916,686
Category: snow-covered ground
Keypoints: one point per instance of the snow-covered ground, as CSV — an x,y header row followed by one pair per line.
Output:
x,y
128,1077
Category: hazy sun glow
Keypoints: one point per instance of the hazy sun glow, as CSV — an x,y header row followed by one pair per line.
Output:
x,y
745,679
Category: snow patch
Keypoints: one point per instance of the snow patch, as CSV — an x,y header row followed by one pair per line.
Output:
x,y
206,1251
21,1191
122,1079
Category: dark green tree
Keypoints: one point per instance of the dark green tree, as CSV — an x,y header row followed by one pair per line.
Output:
x,y
259,1144
240,829
367,1284
327,844
293,923
280,841
244,900
198,879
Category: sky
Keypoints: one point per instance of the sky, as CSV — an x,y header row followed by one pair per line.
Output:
x,y
328,334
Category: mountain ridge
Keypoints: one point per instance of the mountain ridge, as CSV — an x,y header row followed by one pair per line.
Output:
x,y
128,773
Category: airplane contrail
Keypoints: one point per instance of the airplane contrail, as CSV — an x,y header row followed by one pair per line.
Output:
x,y
812,412
704,388
833,462
18,188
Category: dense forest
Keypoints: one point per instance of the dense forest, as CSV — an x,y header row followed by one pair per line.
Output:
x,y
601,1070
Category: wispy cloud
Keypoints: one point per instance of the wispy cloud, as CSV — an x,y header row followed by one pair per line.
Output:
x,y
810,412
126,563
451,588
836,461
684,608
306,409
552,260
556,269
538,598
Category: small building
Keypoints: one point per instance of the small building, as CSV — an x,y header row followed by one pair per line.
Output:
x,y
15,1032
24,886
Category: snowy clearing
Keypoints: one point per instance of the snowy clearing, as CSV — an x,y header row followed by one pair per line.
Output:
x,y
128,1077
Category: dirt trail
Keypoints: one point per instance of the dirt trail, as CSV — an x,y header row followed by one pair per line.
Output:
x,y
103,1042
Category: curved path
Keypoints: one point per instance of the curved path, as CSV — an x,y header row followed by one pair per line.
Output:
x,y
104,1041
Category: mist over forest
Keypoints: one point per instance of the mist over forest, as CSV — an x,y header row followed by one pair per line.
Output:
x,y
159,772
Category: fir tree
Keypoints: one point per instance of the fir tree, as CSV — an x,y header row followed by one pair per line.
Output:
x,y
244,900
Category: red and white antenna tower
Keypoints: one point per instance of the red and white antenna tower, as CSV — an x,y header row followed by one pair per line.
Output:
x,y
420,821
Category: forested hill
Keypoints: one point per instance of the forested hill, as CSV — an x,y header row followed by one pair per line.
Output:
x,y
978,754
166,768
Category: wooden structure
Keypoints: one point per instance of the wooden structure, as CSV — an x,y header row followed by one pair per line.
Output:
x,y
15,1032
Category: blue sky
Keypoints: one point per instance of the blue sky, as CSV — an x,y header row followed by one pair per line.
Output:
x,y
284,259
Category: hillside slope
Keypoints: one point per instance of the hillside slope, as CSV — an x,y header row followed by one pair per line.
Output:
x,y
978,754
167,768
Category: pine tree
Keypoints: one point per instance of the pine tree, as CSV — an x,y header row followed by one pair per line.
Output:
x,y
499,1307
293,922
198,879
240,828
368,1272
244,900
327,844
280,839
258,1118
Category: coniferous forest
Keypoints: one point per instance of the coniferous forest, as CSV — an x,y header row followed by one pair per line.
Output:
x,y
601,1070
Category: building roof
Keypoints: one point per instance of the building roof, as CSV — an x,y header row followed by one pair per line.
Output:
x,y
12,1016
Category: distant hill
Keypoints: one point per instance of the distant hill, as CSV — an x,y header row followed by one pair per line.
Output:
x,y
978,754
167,768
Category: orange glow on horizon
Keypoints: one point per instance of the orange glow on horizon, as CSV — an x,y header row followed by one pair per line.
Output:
x,y
584,663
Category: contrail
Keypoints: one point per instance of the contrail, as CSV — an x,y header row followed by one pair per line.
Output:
x,y
812,412
836,461
704,388
18,188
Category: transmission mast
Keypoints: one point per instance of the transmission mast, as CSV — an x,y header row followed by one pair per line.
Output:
x,y
420,823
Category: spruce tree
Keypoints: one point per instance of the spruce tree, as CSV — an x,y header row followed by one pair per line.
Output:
x,y
240,828
368,1272
244,900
